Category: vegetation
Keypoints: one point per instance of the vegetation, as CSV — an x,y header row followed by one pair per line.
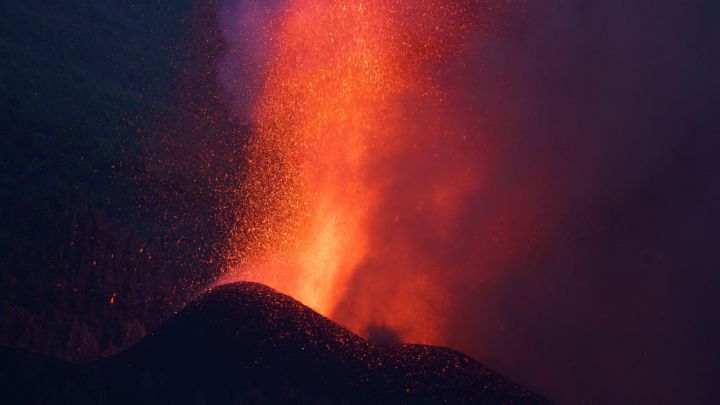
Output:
x,y
87,264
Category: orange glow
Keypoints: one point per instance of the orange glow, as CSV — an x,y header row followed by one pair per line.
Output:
x,y
341,95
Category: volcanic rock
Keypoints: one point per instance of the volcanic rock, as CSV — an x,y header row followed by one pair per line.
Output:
x,y
246,343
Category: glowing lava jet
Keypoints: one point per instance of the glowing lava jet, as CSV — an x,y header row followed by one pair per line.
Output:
x,y
349,113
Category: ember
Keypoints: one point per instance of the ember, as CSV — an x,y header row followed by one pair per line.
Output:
x,y
348,88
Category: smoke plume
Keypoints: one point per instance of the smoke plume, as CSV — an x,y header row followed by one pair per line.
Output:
x,y
531,183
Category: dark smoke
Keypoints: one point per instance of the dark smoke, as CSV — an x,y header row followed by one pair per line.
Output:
x,y
592,232
614,104
246,28
591,237
382,333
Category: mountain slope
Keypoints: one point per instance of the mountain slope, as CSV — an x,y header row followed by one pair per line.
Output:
x,y
244,342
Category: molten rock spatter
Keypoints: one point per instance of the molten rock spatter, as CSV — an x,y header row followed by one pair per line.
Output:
x,y
347,87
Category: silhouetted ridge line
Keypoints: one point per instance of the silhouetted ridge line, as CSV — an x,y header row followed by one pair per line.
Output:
x,y
245,342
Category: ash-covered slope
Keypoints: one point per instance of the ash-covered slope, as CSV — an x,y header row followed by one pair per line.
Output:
x,y
246,343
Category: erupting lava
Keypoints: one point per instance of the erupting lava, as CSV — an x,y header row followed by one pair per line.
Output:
x,y
348,108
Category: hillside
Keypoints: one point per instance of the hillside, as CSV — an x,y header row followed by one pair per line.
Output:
x,y
93,251
244,342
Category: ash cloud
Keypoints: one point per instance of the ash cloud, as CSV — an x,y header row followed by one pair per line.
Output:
x,y
613,103
581,262
246,28
383,334
580,258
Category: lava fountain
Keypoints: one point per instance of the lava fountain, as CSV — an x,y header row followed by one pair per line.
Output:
x,y
356,141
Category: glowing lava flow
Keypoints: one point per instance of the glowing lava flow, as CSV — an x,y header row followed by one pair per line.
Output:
x,y
340,90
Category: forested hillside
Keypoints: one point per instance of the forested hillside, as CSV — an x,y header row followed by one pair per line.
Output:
x,y
95,225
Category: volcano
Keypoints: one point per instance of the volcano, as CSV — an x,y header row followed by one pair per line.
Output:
x,y
246,343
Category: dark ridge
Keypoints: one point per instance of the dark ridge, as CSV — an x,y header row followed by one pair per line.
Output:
x,y
247,343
